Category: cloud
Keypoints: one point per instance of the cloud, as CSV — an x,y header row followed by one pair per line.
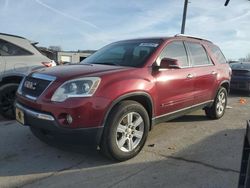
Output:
x,y
226,26
90,24
66,15
6,4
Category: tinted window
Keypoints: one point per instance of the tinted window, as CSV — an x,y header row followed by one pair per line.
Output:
x,y
176,50
218,54
9,49
132,53
198,54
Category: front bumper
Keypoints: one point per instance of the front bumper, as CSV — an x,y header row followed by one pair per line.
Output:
x,y
44,121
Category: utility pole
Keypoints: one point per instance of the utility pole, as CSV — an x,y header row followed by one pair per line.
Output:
x,y
184,17
185,14
226,3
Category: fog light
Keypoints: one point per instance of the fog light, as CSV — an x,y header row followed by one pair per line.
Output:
x,y
69,119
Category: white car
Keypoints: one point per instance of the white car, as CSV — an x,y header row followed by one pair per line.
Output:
x,y
18,57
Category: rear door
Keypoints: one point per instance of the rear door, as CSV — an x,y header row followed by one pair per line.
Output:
x,y
15,57
205,72
2,66
174,86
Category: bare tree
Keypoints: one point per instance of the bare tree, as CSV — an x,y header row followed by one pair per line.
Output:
x,y
55,48
248,57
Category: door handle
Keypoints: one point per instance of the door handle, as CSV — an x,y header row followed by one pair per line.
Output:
x,y
213,72
190,76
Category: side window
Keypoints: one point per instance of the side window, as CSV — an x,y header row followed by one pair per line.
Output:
x,y
176,50
198,54
9,49
218,54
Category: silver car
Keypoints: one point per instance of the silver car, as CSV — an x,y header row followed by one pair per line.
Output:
x,y
18,57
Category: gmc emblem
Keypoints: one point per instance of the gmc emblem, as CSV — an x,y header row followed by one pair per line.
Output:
x,y
30,85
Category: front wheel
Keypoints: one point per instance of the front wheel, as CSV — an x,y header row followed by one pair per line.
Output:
x,y
217,110
126,131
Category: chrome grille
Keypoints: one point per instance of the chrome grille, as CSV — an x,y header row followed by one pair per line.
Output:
x,y
34,85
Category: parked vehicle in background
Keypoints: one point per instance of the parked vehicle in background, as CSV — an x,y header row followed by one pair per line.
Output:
x,y
116,95
231,62
240,76
18,57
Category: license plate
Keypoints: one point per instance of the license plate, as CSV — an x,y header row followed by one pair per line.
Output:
x,y
20,116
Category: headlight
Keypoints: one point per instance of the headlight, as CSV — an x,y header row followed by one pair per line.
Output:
x,y
82,87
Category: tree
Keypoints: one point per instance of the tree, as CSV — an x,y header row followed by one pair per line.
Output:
x,y
248,57
55,48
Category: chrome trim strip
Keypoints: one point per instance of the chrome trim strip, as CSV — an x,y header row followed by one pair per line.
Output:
x,y
36,114
43,76
182,109
30,97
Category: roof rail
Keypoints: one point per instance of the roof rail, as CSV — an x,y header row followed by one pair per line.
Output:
x,y
190,36
12,35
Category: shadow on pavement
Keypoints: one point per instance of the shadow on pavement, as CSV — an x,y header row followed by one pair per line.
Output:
x,y
191,118
212,162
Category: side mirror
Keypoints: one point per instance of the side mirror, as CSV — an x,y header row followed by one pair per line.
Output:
x,y
168,63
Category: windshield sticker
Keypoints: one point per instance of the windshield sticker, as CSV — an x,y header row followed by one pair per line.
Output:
x,y
149,45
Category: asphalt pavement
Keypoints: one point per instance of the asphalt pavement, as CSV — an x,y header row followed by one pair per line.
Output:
x,y
191,151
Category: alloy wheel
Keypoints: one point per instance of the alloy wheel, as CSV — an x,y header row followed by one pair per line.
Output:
x,y
129,131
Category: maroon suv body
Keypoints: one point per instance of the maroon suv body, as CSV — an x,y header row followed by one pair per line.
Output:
x,y
117,94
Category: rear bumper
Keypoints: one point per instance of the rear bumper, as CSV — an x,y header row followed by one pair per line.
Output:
x,y
240,84
44,121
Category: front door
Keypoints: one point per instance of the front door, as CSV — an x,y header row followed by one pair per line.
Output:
x,y
174,87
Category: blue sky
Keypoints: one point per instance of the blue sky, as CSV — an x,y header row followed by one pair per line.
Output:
x,y
90,24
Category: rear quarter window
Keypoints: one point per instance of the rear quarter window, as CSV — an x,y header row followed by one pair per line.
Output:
x,y
216,52
9,49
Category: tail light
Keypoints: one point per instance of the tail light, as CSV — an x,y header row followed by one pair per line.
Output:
x,y
230,71
51,63
47,64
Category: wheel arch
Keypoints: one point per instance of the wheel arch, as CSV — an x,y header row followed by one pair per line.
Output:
x,y
11,79
141,97
226,85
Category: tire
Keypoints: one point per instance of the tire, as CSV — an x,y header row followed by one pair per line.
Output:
x,y
123,140
217,110
7,99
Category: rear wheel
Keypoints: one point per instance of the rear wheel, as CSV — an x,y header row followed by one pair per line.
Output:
x,y
218,108
7,99
126,131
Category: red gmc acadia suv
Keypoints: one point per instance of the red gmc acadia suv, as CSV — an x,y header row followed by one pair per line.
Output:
x,y
115,96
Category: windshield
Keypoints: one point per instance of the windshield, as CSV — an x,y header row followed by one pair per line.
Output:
x,y
133,53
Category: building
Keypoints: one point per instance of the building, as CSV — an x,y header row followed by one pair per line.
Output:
x,y
62,57
72,57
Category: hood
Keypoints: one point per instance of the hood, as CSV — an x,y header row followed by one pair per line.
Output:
x,y
67,72
240,66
